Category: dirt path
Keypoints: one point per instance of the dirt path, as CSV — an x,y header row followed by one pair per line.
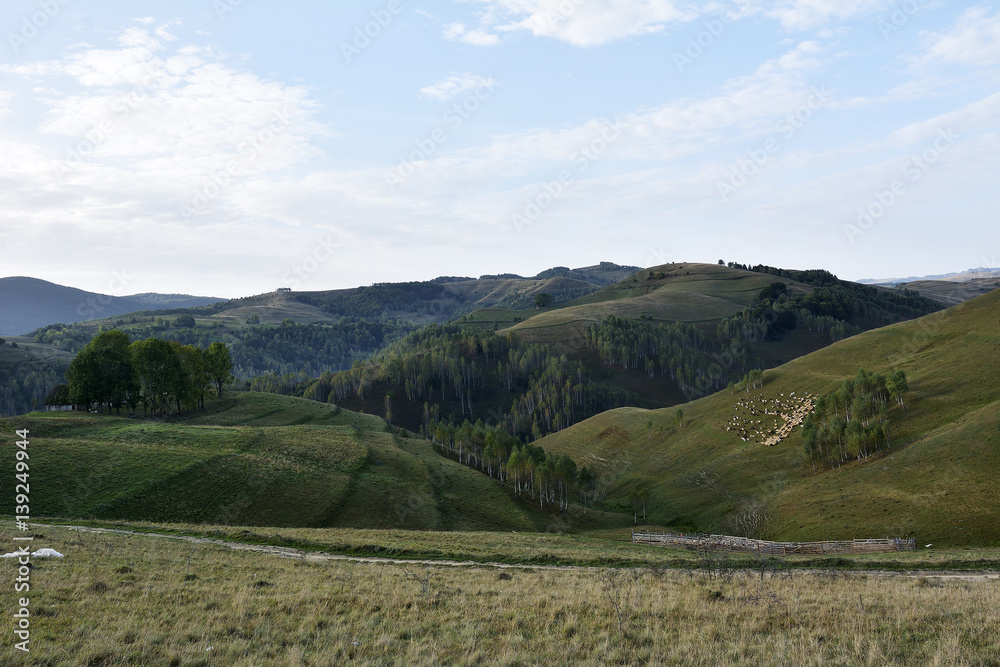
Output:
x,y
321,557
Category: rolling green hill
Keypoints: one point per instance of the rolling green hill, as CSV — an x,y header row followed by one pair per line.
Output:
x,y
673,292
263,460
938,483
640,342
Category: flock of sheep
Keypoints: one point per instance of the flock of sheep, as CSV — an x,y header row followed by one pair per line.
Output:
x,y
793,410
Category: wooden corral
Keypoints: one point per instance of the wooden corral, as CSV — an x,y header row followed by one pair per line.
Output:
x,y
701,542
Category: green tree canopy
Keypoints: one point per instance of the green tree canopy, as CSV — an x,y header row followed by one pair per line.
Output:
x,y
219,366
543,300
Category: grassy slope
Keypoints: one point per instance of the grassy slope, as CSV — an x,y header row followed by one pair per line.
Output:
x,y
261,459
952,292
938,484
687,293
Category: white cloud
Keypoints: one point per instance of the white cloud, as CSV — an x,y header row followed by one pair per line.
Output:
x,y
587,22
456,85
165,35
974,40
684,129
5,98
457,32
974,117
797,15
159,123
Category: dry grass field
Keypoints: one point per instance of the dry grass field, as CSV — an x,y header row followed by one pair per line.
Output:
x,y
139,600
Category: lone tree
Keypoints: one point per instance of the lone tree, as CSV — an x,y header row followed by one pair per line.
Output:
x,y
219,365
542,300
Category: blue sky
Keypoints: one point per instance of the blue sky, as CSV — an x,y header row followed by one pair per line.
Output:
x,y
230,147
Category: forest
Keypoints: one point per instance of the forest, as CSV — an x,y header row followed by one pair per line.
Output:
x,y
255,349
531,471
527,389
25,379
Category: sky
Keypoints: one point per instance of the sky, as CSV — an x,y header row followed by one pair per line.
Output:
x,y
230,147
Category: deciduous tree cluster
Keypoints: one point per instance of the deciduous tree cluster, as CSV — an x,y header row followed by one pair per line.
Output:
x,y
113,372
853,422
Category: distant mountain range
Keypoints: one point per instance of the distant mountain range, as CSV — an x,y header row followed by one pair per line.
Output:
x,y
27,304
963,276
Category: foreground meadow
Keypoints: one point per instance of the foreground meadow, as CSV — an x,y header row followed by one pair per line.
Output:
x,y
140,600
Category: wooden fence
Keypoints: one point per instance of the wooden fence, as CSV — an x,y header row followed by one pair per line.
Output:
x,y
701,542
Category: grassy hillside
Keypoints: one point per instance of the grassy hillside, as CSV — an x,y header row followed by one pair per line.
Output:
x,y
953,292
673,292
938,484
262,460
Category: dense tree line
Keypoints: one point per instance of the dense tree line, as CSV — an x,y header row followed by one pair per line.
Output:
x,y
379,301
866,305
836,308
113,372
552,480
256,350
853,422
25,379
468,373
675,349
698,363
312,348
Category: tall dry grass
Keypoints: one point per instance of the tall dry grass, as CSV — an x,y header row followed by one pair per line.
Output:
x,y
131,600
